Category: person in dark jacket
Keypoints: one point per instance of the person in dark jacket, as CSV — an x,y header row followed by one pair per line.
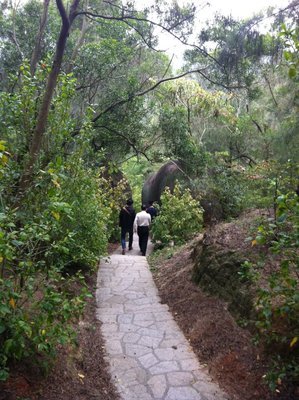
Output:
x,y
126,221
151,210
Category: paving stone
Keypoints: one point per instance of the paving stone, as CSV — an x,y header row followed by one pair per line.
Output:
x,y
150,332
116,300
136,350
139,390
148,360
131,338
164,366
149,357
180,352
165,354
132,377
156,308
111,307
158,385
125,318
148,341
190,364
166,326
144,324
180,378
149,316
123,363
114,347
102,294
103,291
107,329
131,295
175,335
183,393
107,311
202,374
174,343
128,328
207,388
145,300
129,395
116,336
163,316
107,318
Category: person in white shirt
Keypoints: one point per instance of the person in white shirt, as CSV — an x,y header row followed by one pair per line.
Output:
x,y
141,226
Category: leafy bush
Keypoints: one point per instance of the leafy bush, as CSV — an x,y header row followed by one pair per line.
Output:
x,y
136,170
179,219
222,191
264,181
114,198
60,227
79,207
36,304
36,317
278,300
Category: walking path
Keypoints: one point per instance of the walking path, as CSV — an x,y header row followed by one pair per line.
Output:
x,y
149,357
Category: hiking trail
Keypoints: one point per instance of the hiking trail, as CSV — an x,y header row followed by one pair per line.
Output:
x,y
148,355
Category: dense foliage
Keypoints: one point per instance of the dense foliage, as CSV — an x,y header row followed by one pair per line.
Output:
x,y
87,105
179,218
67,121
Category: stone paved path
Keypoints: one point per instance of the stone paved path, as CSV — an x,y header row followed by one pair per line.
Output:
x,y
149,356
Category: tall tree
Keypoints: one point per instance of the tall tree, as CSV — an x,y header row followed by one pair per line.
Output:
x,y
41,122
39,37
123,14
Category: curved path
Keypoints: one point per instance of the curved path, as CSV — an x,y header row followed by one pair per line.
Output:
x,y
149,357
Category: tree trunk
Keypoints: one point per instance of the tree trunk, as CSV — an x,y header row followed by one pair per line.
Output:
x,y
80,41
39,37
43,114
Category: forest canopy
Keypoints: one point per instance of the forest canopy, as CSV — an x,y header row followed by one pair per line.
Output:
x,y
89,106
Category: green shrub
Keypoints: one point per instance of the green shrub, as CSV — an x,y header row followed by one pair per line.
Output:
x,y
114,198
36,301
264,181
179,219
278,299
36,317
60,227
80,209
228,187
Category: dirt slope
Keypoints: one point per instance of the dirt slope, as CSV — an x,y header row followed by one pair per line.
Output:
x,y
212,330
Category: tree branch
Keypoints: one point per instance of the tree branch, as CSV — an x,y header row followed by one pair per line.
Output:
x,y
125,18
271,91
79,43
130,98
14,36
257,125
130,143
168,66
43,113
39,37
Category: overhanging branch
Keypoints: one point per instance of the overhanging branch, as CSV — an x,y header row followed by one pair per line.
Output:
x,y
126,18
130,143
139,94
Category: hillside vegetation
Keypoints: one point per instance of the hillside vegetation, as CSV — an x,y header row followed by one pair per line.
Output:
x,y
89,108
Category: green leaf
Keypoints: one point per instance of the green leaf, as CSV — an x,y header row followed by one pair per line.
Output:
x,y
292,72
3,374
2,329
